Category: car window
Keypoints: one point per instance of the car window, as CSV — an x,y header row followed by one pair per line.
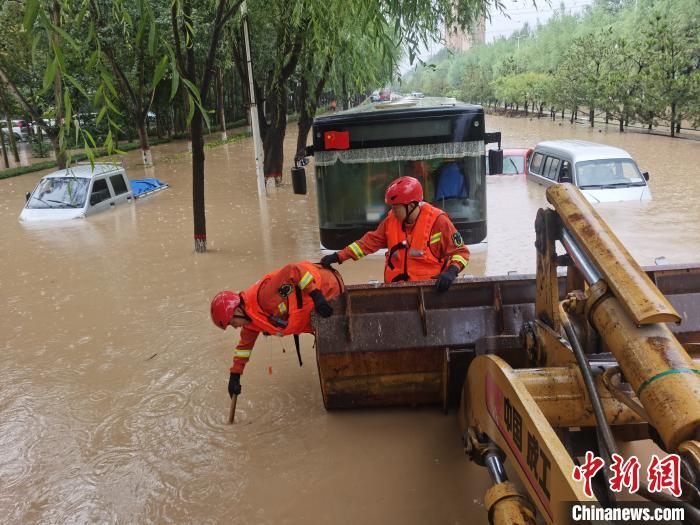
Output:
x,y
565,173
553,169
118,184
608,173
536,164
513,164
546,166
59,192
100,192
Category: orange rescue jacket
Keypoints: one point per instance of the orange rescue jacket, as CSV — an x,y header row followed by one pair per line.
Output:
x,y
411,260
300,307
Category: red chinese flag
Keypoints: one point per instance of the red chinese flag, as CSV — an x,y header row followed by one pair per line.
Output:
x,y
336,140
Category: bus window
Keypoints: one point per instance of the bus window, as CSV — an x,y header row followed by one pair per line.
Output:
x,y
352,195
442,147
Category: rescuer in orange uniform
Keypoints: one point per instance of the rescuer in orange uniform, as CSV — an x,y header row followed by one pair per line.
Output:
x,y
421,241
280,303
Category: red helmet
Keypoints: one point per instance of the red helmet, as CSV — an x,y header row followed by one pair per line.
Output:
x,y
404,190
223,306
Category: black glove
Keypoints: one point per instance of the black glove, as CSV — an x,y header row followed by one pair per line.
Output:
x,y
444,280
329,259
322,307
234,384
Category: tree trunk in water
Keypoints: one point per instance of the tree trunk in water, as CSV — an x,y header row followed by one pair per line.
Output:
x,y
526,109
562,113
197,141
304,122
61,157
622,127
303,125
273,143
673,119
678,125
573,115
220,102
607,117
145,147
591,116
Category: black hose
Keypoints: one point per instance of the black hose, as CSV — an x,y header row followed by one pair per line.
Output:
x,y
692,514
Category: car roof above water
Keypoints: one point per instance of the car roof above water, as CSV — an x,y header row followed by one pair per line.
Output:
x,y
581,150
85,171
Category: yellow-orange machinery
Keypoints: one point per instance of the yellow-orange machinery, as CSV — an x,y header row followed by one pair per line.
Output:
x,y
545,367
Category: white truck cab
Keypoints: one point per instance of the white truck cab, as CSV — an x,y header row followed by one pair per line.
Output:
x,y
602,173
77,192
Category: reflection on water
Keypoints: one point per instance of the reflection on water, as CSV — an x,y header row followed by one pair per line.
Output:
x,y
113,393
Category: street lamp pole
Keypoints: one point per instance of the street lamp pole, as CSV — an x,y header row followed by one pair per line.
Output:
x,y
254,123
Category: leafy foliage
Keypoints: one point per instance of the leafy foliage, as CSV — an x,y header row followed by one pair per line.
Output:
x,y
632,59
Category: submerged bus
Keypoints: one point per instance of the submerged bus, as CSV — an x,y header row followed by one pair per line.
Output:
x,y
359,152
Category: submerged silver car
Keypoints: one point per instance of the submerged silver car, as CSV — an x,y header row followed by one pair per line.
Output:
x,y
602,173
77,192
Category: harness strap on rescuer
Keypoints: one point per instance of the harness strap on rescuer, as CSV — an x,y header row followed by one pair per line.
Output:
x,y
300,300
399,246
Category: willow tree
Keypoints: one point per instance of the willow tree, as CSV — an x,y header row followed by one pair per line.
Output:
x,y
358,68
36,40
126,46
284,31
206,27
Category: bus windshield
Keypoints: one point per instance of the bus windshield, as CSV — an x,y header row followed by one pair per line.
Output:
x,y
351,190
359,152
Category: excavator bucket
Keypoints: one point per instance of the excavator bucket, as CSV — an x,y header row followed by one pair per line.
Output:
x,y
407,345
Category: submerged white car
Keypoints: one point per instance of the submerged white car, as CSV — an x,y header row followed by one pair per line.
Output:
x,y
79,191
602,173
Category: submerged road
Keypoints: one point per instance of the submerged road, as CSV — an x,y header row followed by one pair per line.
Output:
x,y
113,396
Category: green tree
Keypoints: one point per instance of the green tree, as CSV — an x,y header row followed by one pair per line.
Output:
x,y
672,47
205,26
127,51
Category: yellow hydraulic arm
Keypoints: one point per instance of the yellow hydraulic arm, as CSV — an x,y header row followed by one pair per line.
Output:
x,y
646,381
497,408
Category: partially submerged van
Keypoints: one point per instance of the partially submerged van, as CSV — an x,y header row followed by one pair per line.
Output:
x,y
80,190
603,173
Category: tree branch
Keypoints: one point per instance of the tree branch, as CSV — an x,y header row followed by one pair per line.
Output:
x,y
222,16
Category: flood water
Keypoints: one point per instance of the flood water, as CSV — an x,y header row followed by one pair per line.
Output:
x,y
113,396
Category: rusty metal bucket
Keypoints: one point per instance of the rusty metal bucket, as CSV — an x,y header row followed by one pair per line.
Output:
x,y
406,345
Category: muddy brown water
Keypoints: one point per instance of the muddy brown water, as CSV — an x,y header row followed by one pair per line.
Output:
x,y
113,388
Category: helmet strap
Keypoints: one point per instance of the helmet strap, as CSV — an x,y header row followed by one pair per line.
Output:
x,y
244,316
408,213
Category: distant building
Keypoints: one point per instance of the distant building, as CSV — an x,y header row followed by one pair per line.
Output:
x,y
458,40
